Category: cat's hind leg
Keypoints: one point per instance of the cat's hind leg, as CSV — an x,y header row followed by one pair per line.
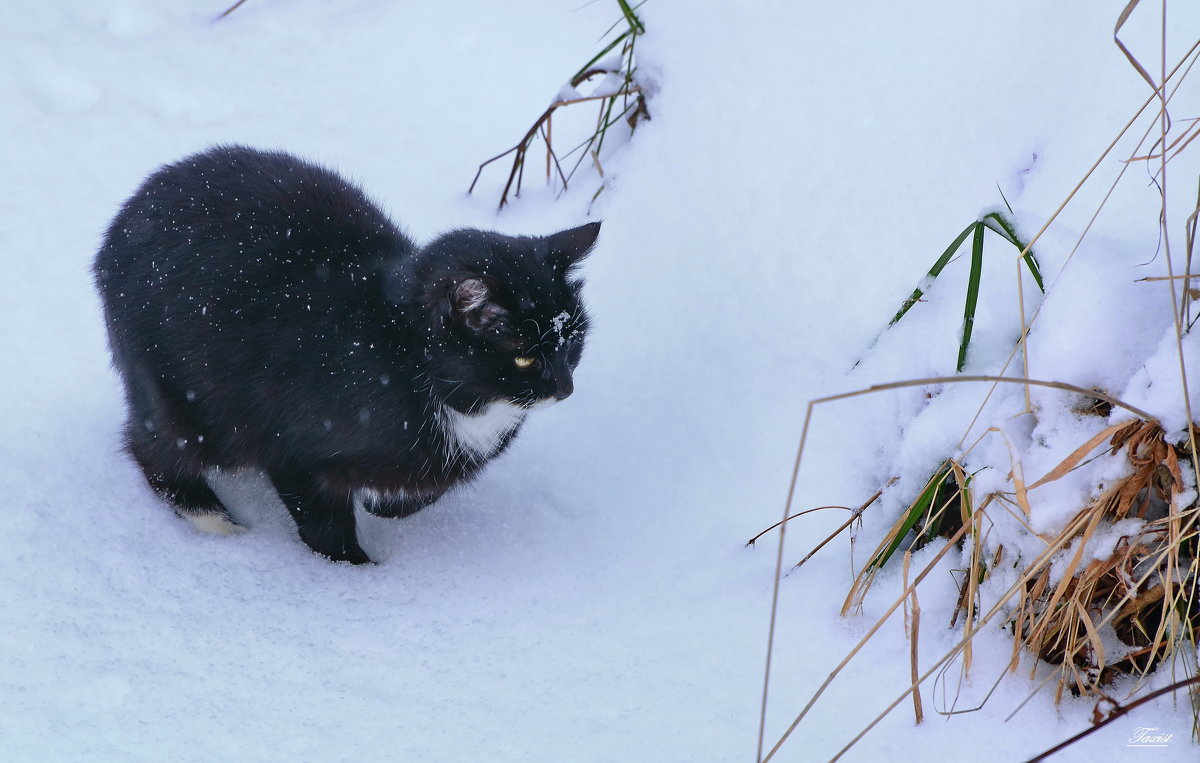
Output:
x,y
177,477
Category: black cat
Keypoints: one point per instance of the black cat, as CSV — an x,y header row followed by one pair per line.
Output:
x,y
263,313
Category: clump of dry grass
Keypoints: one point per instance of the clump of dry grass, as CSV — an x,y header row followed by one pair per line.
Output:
x,y
1144,593
1096,618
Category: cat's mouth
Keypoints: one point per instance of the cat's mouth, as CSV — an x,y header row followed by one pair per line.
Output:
x,y
534,405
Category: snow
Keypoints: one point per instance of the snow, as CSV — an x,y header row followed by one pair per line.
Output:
x,y
589,598
567,92
610,85
1157,384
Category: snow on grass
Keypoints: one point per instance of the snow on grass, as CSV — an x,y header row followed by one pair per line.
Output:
x,y
589,597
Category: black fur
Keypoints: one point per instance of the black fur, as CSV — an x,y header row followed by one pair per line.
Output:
x,y
263,313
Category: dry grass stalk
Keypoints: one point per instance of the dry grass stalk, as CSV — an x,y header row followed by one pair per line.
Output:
x,y
976,570
912,618
516,175
857,515
854,515
1108,710
627,104
229,10
951,543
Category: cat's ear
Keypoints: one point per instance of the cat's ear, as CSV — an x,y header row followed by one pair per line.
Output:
x,y
567,248
471,300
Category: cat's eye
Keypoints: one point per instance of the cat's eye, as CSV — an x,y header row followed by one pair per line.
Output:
x,y
523,362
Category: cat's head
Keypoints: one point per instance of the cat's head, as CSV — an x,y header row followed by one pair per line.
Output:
x,y
505,318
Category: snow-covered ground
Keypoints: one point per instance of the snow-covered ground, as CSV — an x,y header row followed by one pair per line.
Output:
x,y
590,597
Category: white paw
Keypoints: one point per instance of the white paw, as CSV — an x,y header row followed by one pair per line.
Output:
x,y
216,524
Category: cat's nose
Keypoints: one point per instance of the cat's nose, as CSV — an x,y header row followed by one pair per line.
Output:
x,y
563,387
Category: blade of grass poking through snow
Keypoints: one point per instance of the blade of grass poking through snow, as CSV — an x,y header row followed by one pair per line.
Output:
x,y
603,52
997,223
923,506
929,510
635,23
972,295
635,28
933,273
1005,200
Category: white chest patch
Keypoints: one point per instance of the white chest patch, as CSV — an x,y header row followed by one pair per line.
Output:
x,y
480,434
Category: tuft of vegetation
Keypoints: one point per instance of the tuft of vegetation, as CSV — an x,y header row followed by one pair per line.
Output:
x,y
1112,594
612,76
997,223
1144,593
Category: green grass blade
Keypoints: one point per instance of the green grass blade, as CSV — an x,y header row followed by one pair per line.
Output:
x,y
635,24
624,20
592,138
606,123
934,272
999,224
1034,270
920,507
940,521
1005,200
600,55
996,223
972,293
